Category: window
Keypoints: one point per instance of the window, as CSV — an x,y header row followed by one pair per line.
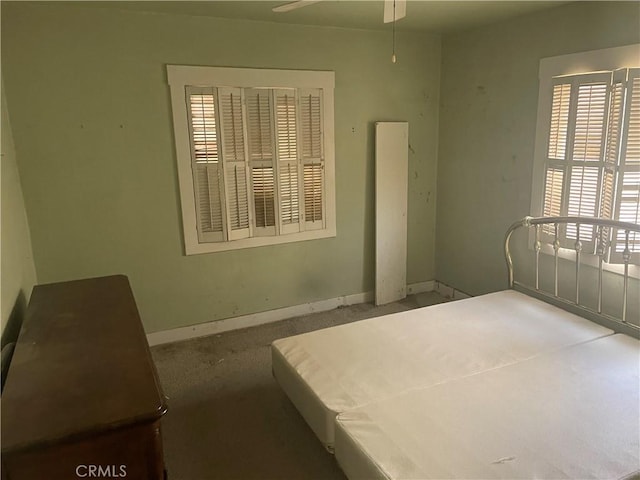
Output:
x,y
591,156
255,156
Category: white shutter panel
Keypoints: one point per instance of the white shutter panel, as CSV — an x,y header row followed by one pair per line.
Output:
x,y
583,193
264,193
553,192
556,154
312,137
288,165
205,163
559,121
260,132
590,122
587,153
628,195
614,127
234,159
612,150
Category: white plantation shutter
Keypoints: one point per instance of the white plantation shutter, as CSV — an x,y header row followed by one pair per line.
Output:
x,y
264,193
612,148
253,167
260,131
556,153
234,159
312,157
628,194
259,113
205,163
258,161
589,133
559,121
587,153
288,164
593,156
553,192
575,154
583,193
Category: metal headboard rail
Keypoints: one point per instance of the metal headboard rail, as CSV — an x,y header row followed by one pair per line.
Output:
x,y
602,228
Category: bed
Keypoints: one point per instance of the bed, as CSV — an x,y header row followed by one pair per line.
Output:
x,y
329,371
352,382
525,420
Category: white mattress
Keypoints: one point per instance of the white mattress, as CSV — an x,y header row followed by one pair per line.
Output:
x,y
340,368
571,414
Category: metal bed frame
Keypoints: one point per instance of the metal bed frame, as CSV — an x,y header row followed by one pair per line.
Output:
x,y
602,230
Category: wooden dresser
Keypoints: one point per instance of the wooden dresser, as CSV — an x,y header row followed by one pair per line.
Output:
x,y
82,398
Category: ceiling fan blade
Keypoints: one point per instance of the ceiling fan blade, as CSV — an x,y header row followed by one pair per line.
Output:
x,y
287,7
400,10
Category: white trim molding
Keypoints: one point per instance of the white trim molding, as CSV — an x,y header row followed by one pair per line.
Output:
x,y
449,292
550,69
593,61
260,318
197,238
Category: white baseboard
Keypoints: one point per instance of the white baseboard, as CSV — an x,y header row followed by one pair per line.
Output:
x,y
260,318
449,292
421,287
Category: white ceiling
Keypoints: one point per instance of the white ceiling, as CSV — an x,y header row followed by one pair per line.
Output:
x,y
422,15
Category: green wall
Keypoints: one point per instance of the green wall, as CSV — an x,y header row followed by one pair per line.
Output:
x,y
16,261
90,110
489,95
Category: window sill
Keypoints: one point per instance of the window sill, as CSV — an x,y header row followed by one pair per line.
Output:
x,y
212,247
590,260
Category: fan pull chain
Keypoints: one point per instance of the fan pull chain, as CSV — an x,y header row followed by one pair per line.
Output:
x,y
393,29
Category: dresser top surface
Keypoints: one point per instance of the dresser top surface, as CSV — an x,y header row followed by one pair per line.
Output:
x,y
81,365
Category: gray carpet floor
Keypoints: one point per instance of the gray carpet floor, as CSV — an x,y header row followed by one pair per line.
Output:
x,y
228,418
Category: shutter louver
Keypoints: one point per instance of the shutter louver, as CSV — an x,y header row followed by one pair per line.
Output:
x,y
313,183
312,158
286,125
234,160
628,200
203,128
583,191
615,123
260,131
287,147
311,126
205,163
612,148
552,196
289,194
259,125
553,200
209,204
237,195
559,121
587,155
608,185
233,136
263,196
590,122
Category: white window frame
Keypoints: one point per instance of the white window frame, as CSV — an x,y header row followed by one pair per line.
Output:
x,y
610,60
180,76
